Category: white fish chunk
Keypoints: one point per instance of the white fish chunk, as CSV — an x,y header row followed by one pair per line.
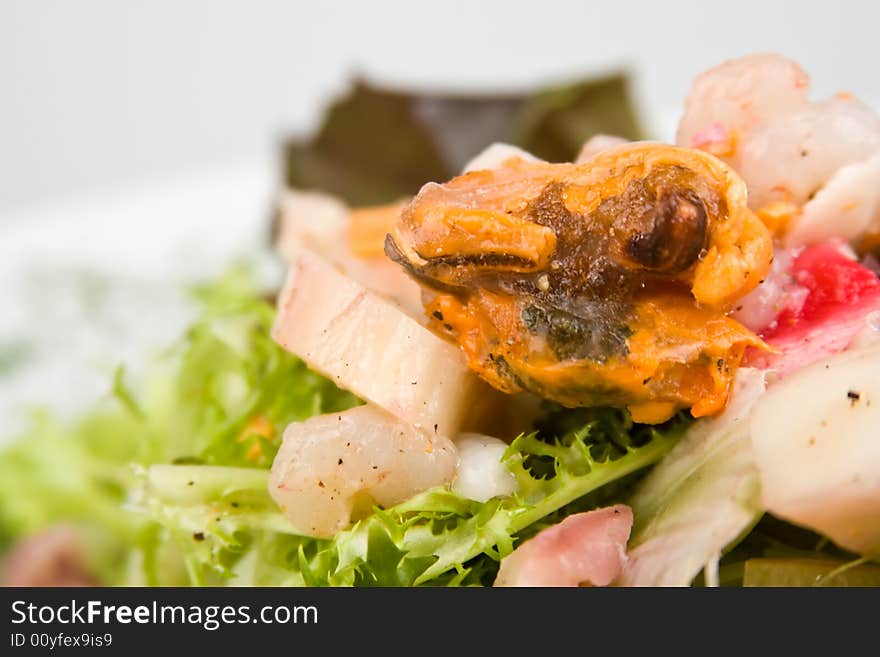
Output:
x,y
847,207
368,346
312,220
816,443
319,222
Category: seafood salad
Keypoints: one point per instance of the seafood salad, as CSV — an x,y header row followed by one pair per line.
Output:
x,y
654,365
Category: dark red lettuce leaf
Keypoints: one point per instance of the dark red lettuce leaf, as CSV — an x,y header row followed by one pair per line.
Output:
x,y
377,144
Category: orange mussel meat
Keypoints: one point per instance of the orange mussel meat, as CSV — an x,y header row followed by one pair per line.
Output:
x,y
601,283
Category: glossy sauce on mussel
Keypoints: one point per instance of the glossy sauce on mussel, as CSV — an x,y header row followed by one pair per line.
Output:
x,y
606,282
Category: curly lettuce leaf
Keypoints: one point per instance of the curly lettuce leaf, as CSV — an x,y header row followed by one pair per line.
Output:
x,y
78,474
235,389
169,476
227,527
221,396
212,516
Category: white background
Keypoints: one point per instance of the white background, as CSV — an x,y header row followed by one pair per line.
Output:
x,y
97,93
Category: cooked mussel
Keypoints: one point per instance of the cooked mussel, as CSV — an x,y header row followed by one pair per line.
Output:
x,y
606,282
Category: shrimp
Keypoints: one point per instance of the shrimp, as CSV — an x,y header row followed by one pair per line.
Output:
x,y
791,158
755,113
727,102
335,466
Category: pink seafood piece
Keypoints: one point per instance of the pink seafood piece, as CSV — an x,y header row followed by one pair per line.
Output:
x,y
52,557
841,297
585,548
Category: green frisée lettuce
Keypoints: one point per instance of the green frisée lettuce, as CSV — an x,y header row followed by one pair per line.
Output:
x,y
438,537
226,525
60,474
167,478
236,389
222,395
210,515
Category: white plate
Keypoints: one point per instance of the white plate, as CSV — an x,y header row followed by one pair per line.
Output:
x,y
91,283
